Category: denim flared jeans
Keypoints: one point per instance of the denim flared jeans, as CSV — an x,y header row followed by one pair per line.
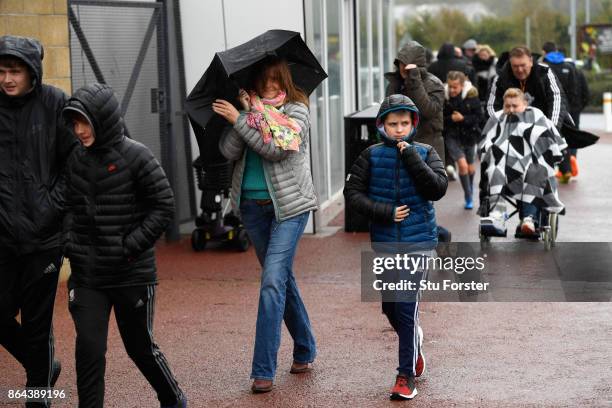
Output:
x,y
279,298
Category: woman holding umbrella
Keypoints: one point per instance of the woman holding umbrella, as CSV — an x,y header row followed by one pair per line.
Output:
x,y
273,191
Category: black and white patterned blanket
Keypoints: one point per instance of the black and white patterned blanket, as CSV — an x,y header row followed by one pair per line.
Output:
x,y
518,155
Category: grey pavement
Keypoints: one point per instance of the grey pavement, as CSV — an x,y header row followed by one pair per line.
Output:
x,y
593,121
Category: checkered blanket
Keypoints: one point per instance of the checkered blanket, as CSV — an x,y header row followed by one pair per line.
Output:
x,y
518,155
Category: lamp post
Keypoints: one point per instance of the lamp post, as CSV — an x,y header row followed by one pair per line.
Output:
x,y
528,32
587,11
572,28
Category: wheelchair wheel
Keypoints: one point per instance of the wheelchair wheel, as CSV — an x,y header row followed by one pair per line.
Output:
x,y
242,241
549,232
198,240
484,240
553,221
546,237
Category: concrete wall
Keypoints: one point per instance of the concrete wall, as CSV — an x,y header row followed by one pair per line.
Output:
x,y
47,21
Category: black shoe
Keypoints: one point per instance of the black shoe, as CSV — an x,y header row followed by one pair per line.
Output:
x,y
56,369
182,403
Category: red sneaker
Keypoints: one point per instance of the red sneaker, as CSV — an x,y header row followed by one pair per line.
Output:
x,y
574,165
404,388
419,369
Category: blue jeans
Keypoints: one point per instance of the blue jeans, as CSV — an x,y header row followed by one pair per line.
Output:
x,y
279,298
529,210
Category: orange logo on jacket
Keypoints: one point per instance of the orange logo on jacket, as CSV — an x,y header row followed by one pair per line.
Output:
x,y
111,167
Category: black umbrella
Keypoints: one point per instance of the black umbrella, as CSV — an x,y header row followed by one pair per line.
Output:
x,y
232,69
576,138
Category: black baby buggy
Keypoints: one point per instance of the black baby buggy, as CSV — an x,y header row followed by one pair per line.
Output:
x,y
216,222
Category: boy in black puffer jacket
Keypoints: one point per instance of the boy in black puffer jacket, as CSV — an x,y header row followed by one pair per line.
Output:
x,y
462,116
393,183
119,202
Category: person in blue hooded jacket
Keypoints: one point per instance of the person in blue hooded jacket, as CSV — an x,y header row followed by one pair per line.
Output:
x,y
393,183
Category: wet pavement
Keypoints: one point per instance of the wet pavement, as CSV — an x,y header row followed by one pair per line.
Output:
x,y
478,354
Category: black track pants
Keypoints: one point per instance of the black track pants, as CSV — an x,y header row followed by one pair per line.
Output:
x,y
134,309
28,284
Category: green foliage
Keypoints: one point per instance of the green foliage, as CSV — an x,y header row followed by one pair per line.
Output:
x,y
496,32
432,31
548,23
598,84
605,16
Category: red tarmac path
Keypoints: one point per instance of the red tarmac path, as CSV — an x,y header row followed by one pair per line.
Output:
x,y
478,354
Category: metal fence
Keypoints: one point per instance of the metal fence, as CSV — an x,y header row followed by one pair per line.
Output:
x,y
125,45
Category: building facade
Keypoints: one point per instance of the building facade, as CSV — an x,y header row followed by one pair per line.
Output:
x,y
352,39
154,52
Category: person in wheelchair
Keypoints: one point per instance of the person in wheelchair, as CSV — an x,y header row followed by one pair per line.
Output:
x,y
518,153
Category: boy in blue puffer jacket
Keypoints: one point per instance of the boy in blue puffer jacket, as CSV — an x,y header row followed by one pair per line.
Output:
x,y
393,183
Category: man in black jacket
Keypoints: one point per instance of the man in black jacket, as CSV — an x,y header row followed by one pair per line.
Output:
x,y
447,61
34,147
566,74
118,204
582,90
538,82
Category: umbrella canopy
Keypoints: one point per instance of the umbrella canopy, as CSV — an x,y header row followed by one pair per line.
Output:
x,y
576,138
233,69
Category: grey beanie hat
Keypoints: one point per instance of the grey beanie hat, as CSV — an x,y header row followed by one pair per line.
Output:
x,y
470,44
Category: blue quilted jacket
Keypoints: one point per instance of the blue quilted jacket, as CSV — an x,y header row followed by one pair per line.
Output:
x,y
382,179
391,183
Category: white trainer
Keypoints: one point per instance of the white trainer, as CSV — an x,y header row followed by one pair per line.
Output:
x,y
528,226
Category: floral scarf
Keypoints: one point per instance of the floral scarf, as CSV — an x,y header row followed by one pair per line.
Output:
x,y
272,123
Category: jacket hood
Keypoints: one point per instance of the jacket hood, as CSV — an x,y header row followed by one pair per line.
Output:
x,y
412,53
468,90
502,60
446,51
393,103
482,65
555,57
26,49
97,102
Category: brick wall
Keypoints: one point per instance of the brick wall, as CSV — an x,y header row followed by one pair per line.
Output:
x,y
47,21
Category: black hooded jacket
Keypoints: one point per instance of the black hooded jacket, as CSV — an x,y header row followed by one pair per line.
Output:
x,y
485,71
568,77
467,132
447,61
34,148
119,200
